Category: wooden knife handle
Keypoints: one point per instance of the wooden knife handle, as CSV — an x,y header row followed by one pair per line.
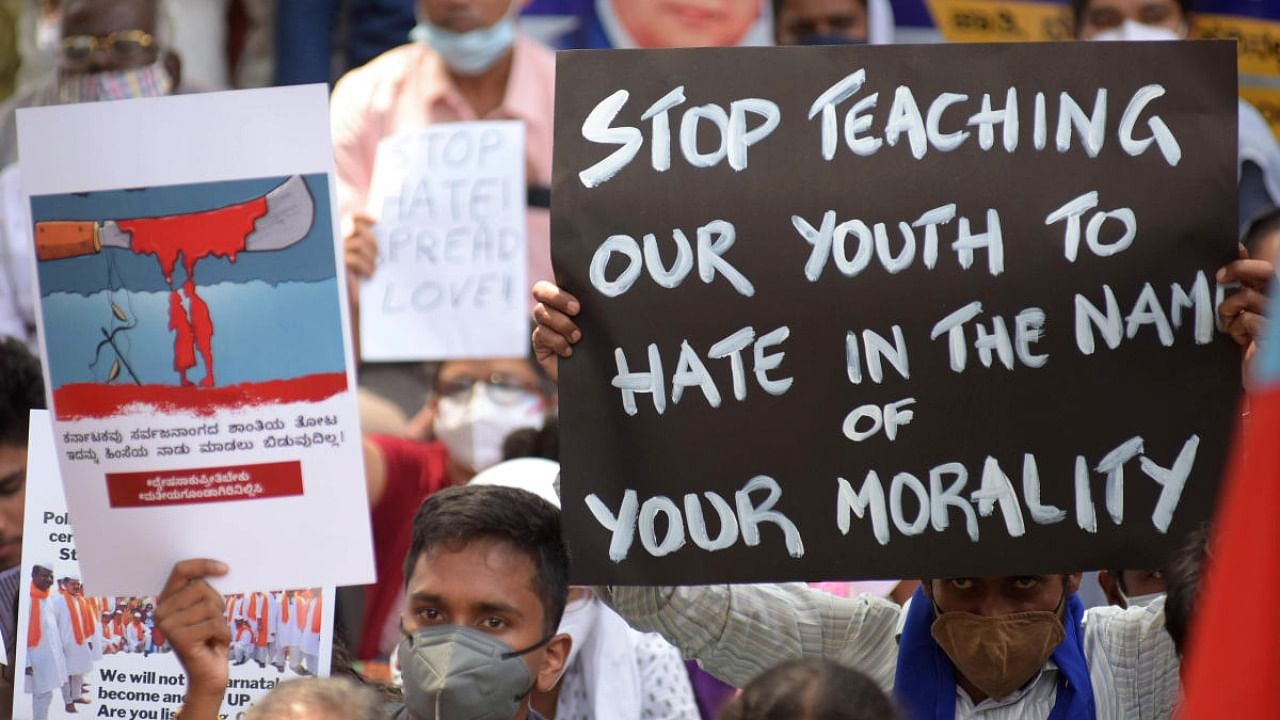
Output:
x,y
58,239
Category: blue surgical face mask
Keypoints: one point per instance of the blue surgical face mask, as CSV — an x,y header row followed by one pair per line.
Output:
x,y
472,52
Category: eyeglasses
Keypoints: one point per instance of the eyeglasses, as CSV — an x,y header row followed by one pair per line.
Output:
x,y
123,47
503,388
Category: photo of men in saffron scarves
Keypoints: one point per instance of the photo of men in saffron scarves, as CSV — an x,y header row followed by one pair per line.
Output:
x,y
189,298
69,632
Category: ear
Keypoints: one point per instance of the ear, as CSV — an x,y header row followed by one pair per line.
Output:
x,y
1073,582
1108,585
173,64
928,587
554,657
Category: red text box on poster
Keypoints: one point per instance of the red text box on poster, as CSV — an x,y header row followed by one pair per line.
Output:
x,y
204,485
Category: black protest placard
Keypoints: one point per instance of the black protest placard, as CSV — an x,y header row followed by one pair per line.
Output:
x,y
892,311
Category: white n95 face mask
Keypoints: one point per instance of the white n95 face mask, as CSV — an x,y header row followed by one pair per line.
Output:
x,y
474,426
1132,30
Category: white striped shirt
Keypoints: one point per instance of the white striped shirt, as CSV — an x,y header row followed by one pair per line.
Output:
x,y
738,631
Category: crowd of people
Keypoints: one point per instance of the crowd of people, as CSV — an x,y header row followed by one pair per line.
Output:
x,y
472,608
277,628
67,632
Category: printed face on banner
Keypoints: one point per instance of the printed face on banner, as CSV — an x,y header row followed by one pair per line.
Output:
x,y
934,311
650,23
109,652
685,23
198,365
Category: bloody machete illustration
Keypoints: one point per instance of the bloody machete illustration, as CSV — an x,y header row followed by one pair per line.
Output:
x,y
272,222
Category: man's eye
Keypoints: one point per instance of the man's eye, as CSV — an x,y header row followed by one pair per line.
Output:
x,y
1026,583
962,583
494,623
11,484
428,614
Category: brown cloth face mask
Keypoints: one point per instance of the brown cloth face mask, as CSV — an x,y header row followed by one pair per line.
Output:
x,y
1000,653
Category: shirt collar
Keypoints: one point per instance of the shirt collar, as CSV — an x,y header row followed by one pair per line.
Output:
x,y
1048,673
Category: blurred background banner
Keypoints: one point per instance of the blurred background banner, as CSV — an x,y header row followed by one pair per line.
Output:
x,y
251,43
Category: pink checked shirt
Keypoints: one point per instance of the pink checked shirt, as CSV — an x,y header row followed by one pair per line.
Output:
x,y
408,87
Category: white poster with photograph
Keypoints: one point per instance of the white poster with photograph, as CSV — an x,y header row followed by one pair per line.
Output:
x,y
103,656
452,277
192,313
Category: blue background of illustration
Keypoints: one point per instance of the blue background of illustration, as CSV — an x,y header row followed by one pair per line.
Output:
x,y
275,314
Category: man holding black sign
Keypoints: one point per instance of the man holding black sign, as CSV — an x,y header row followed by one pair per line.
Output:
x,y
1011,647
931,283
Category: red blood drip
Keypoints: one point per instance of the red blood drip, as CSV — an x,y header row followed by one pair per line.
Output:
x,y
194,236
183,356
203,326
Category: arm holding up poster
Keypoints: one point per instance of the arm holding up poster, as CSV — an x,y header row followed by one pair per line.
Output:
x,y
146,654
198,357
738,631
1243,314
190,612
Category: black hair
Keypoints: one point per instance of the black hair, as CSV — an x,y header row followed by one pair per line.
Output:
x,y
1078,8
1261,227
779,4
810,689
530,443
21,391
454,517
1117,577
1182,584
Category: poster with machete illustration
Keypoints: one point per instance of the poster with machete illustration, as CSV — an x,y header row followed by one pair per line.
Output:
x,y
154,297
192,313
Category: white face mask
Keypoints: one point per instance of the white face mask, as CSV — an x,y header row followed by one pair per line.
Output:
x,y
1140,600
474,427
578,622
1132,30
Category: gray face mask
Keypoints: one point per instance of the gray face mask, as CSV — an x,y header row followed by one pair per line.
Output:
x,y
453,672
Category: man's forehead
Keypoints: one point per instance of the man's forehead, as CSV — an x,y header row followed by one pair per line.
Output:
x,y
102,17
482,571
12,458
994,579
480,368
